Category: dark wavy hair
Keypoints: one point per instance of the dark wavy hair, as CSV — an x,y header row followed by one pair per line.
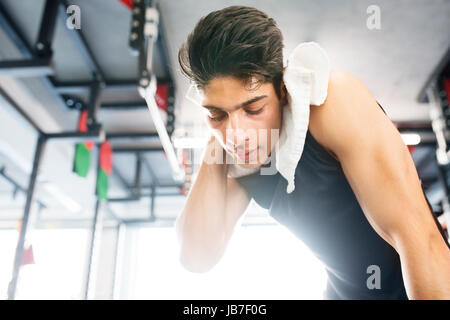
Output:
x,y
235,41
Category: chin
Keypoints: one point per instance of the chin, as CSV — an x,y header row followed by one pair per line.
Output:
x,y
252,164
249,165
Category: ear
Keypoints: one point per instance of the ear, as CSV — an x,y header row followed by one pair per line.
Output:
x,y
283,92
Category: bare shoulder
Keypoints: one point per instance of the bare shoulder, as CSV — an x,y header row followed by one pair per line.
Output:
x,y
348,102
339,84
342,87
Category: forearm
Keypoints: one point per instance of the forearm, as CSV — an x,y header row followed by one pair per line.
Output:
x,y
426,268
201,225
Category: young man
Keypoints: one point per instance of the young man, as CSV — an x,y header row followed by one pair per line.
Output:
x,y
358,202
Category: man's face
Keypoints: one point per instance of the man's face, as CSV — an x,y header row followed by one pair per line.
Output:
x,y
242,118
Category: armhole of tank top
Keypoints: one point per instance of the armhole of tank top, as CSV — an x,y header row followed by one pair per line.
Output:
x,y
247,183
256,188
326,155
321,152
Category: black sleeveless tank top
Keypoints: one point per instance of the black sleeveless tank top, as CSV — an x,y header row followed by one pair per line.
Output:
x,y
324,213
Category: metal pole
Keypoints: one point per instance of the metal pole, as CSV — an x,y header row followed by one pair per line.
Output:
x,y
93,106
152,204
82,46
26,215
137,176
17,187
93,251
47,29
118,261
155,180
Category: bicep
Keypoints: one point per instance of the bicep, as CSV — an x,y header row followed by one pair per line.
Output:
x,y
375,160
385,182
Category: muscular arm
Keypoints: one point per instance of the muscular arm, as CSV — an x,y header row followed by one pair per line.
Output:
x,y
213,207
382,174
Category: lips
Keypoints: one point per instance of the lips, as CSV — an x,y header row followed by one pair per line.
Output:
x,y
246,155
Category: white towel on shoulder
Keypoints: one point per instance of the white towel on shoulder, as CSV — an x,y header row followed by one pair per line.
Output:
x,y
306,78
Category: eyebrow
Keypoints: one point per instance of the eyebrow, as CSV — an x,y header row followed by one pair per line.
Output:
x,y
246,103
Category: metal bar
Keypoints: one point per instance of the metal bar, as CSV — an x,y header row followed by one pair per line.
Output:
x,y
418,126
167,194
130,135
59,100
19,110
11,181
19,40
137,175
137,25
25,68
162,185
123,106
177,172
155,180
82,46
94,104
77,136
9,27
112,213
93,251
47,29
143,62
170,109
121,178
162,46
152,204
123,181
17,186
134,150
77,87
126,199
118,260
26,215
80,86
164,54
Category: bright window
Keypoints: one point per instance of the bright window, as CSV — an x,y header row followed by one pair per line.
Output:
x,y
60,264
8,242
261,262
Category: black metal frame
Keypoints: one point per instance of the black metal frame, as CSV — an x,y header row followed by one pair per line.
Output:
x,y
96,232
445,61
37,62
25,219
16,185
30,54
83,48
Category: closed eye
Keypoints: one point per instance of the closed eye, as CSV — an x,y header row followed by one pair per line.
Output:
x,y
253,112
222,115
217,119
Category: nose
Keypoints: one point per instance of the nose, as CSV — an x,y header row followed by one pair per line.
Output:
x,y
231,130
233,121
236,131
